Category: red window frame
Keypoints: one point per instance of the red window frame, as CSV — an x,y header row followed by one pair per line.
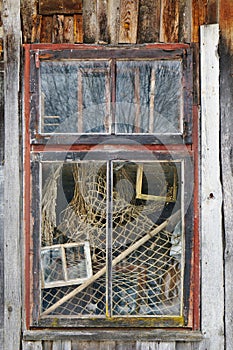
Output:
x,y
37,143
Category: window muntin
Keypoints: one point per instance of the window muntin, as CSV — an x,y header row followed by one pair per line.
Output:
x,y
76,97
140,92
135,267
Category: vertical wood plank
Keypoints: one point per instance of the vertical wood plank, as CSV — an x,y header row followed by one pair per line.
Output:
x,y
57,345
47,345
68,30
78,29
114,20
226,101
167,346
57,31
183,346
1,252
12,248
89,21
143,345
28,10
211,192
213,11
37,345
102,21
169,22
125,345
36,28
199,17
66,345
149,21
128,21
185,21
107,345
46,29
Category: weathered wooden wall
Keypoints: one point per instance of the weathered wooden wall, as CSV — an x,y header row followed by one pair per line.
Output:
x,y
119,22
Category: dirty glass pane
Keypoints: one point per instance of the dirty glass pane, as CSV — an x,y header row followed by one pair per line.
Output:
x,y
148,97
73,237
83,212
74,97
147,280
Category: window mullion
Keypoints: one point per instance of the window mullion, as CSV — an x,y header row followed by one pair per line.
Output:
x,y
109,240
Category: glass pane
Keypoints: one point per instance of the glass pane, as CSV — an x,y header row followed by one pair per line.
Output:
x,y
74,97
73,223
149,97
146,280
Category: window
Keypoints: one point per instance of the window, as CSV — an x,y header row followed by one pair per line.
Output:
x,y
111,180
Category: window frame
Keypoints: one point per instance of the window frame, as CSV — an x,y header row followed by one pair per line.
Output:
x,y
38,145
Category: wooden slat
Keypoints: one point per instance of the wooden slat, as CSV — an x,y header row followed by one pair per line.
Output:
x,y
46,29
37,345
199,17
147,345
36,28
128,21
57,31
169,22
114,20
149,21
226,101
167,346
211,192
212,11
125,345
66,345
68,31
57,345
184,346
12,248
102,21
28,10
48,7
47,345
1,247
185,20
78,29
89,21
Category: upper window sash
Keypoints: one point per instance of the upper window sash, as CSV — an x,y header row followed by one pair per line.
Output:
x,y
84,95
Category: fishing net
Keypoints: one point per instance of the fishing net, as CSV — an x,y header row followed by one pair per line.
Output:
x,y
104,252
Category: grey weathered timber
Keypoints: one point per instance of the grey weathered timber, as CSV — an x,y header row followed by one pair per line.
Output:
x,y
212,295
37,345
90,21
226,108
1,255
114,335
12,248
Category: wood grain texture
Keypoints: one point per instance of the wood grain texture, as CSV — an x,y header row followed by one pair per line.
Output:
x,y
1,248
32,345
28,10
90,21
169,21
36,28
46,29
211,192
226,105
114,20
149,21
48,7
199,17
12,248
78,29
57,29
68,30
102,21
128,21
